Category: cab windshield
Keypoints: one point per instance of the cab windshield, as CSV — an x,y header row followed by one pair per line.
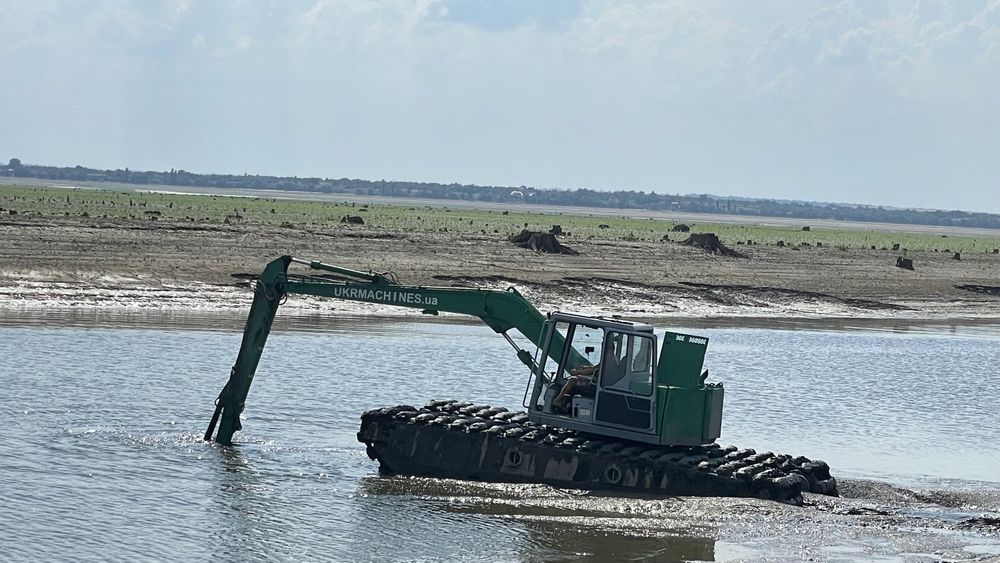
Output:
x,y
583,345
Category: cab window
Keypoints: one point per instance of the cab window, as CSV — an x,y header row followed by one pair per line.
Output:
x,y
627,363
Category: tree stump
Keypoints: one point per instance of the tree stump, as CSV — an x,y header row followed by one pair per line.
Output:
x,y
541,242
710,243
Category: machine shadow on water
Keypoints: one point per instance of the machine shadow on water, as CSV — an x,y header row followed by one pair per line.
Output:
x,y
554,540
249,515
542,523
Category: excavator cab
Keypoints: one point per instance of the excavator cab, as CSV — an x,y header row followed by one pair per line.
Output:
x,y
595,371
603,376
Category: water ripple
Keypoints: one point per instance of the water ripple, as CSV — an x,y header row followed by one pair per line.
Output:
x,y
102,457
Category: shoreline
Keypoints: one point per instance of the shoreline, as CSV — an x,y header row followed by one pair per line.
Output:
x,y
116,293
205,306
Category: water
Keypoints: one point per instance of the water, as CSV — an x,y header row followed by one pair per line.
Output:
x,y
101,456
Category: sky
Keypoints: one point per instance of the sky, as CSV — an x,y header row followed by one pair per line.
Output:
x,y
882,102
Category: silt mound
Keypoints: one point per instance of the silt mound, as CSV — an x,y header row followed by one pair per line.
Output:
x,y
710,243
986,289
541,242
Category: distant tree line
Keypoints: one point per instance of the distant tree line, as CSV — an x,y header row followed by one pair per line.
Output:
x,y
619,199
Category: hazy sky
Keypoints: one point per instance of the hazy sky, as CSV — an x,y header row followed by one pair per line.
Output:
x,y
882,102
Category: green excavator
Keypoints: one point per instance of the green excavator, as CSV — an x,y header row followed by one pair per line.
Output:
x,y
628,394
609,403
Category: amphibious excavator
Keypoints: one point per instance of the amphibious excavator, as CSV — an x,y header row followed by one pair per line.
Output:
x,y
609,403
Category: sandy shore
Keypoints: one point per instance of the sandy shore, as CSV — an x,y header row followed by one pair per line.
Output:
x,y
80,262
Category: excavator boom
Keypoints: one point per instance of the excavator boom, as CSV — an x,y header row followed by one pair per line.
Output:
x,y
500,310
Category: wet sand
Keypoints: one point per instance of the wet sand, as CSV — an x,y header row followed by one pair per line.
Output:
x,y
81,262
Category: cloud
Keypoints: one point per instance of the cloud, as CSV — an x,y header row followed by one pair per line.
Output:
x,y
176,9
348,25
677,94
971,39
700,42
852,47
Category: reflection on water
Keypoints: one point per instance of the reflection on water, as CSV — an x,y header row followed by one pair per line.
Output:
x,y
226,321
303,321
101,457
241,508
548,524
989,328
559,541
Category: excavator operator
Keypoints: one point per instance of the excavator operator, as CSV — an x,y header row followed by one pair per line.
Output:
x,y
582,380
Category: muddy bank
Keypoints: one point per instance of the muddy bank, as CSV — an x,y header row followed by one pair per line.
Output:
x,y
82,262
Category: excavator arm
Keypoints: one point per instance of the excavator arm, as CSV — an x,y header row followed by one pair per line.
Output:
x,y
500,310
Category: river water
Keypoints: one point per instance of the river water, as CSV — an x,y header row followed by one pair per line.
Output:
x,y
101,456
